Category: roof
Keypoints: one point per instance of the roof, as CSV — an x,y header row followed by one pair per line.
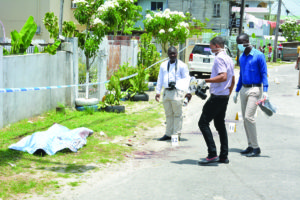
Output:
x,y
251,10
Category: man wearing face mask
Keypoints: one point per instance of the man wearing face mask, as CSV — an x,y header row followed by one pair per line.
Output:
x,y
171,74
221,85
253,75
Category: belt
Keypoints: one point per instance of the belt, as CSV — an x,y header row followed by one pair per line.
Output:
x,y
219,96
251,85
170,88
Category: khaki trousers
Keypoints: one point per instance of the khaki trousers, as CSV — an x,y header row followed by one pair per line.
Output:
x,y
249,96
172,101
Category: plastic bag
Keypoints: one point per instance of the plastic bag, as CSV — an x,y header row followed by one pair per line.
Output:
x,y
266,106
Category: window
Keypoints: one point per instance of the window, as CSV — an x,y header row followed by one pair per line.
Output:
x,y
201,49
251,24
156,6
217,10
73,5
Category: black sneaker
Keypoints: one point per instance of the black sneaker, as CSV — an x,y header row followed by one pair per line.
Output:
x,y
208,160
223,160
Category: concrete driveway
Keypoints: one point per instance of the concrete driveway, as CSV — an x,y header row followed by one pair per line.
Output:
x,y
175,174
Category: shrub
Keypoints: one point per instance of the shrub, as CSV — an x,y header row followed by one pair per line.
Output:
x,y
124,71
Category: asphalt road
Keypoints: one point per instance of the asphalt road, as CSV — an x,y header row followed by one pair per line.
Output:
x,y
175,174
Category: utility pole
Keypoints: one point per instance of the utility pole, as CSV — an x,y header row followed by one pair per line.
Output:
x,y
276,32
242,8
61,16
241,16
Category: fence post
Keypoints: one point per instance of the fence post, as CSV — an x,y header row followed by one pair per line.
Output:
x,y
1,86
102,66
74,41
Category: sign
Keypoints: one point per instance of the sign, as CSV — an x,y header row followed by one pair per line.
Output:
x,y
232,128
175,140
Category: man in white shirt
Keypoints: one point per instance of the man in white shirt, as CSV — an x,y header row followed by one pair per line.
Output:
x,y
171,75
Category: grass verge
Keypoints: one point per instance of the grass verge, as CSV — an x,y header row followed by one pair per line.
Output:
x,y
23,173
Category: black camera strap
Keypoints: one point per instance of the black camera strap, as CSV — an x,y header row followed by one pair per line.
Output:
x,y
175,70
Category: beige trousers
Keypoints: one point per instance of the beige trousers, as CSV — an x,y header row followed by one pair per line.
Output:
x,y
172,101
249,96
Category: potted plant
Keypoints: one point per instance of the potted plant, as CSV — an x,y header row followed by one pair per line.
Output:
x,y
139,85
111,101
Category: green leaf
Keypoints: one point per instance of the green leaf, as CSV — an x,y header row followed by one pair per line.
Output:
x,y
52,49
27,33
21,41
36,49
5,52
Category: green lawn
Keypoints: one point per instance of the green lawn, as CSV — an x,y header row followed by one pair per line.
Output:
x,y
22,173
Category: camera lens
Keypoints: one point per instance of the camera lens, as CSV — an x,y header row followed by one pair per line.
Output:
x,y
201,93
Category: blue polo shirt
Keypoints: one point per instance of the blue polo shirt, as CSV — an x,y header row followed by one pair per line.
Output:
x,y
253,70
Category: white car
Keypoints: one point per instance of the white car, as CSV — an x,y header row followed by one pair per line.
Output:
x,y
201,60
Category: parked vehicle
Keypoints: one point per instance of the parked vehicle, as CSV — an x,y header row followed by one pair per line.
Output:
x,y
201,60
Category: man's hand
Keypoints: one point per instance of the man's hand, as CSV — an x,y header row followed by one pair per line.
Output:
x,y
189,96
202,83
265,95
235,97
157,97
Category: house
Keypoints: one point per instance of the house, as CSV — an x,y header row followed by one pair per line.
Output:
x,y
219,12
152,5
257,13
13,15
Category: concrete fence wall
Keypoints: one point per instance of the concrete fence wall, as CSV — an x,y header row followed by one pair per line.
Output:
x,y
37,70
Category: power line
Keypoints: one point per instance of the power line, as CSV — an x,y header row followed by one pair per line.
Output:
x,y
290,11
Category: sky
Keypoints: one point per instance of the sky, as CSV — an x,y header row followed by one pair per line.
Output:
x,y
292,5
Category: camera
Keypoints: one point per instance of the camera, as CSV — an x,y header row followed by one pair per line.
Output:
x,y
200,92
172,85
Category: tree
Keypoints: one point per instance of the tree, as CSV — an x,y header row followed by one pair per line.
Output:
x,y
290,29
99,18
168,27
86,14
120,15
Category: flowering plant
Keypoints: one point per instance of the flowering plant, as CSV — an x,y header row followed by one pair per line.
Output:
x,y
86,14
290,29
119,15
168,27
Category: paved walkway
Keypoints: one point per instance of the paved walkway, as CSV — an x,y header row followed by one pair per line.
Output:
x,y
175,174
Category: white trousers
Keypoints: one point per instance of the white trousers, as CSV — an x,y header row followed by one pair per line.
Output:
x,y
249,96
172,101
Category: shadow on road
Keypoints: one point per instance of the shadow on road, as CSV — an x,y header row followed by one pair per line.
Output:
x,y
181,140
186,162
235,150
194,162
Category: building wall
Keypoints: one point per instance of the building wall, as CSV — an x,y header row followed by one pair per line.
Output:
x,y
14,13
146,5
202,9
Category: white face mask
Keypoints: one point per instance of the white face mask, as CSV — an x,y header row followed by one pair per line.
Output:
x,y
214,54
242,48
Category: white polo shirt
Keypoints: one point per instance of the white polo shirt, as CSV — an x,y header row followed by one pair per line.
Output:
x,y
164,77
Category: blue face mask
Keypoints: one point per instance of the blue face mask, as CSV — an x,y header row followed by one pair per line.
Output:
x,y
241,47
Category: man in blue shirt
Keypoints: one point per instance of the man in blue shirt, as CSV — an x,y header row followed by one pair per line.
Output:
x,y
253,77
